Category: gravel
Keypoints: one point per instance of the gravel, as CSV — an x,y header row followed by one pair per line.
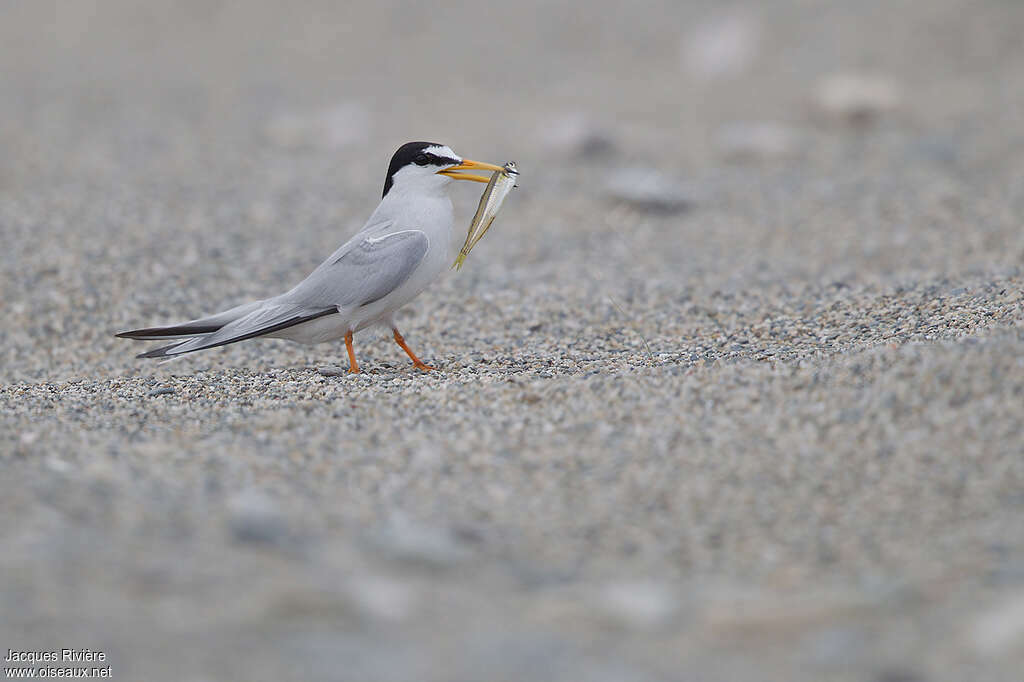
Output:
x,y
774,436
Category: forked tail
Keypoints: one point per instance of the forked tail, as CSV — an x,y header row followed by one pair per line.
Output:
x,y
238,324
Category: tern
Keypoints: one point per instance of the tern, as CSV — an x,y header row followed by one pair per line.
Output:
x,y
404,246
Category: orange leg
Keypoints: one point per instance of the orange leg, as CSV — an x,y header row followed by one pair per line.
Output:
x,y
417,363
353,366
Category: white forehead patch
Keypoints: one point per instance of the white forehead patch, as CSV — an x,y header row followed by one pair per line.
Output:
x,y
443,151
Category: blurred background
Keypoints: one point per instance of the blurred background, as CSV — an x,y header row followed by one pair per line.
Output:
x,y
683,164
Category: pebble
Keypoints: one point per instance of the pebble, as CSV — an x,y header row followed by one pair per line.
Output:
x,y
577,135
385,599
999,631
649,190
640,605
419,544
253,517
857,98
756,141
724,44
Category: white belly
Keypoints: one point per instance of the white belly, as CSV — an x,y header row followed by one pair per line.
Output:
x,y
320,330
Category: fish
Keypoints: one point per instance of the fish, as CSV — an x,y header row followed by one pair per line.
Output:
x,y
500,184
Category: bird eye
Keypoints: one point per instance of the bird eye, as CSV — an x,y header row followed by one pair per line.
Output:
x,y
421,160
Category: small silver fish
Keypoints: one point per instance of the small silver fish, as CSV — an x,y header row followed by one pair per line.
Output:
x,y
497,189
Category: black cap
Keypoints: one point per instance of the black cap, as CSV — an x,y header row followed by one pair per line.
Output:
x,y
414,153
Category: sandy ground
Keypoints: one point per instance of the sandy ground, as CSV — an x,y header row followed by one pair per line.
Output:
x,y
733,390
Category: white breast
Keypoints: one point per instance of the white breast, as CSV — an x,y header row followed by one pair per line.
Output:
x,y
434,216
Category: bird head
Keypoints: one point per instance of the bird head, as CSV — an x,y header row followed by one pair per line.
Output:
x,y
428,167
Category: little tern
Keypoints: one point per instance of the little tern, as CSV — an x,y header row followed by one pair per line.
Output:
x,y
404,246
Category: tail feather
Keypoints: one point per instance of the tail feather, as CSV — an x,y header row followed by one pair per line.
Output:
x,y
162,352
202,325
260,321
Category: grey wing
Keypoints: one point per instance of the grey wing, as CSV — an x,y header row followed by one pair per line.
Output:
x,y
366,270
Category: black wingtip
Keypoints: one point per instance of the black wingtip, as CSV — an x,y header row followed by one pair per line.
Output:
x,y
152,333
141,334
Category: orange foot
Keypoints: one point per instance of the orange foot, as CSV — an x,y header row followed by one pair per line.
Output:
x,y
353,366
416,362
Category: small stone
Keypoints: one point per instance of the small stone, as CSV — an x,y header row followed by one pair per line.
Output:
x,y
163,390
58,465
649,190
723,45
254,517
384,599
420,544
332,371
857,98
577,135
641,605
755,141
999,630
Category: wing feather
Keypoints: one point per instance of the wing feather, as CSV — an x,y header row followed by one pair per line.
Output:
x,y
365,270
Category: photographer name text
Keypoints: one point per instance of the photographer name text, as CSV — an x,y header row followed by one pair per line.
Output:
x,y
55,656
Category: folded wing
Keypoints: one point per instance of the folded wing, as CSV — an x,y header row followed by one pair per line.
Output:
x,y
361,272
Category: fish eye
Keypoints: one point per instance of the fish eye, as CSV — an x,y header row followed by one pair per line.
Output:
x,y
421,160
